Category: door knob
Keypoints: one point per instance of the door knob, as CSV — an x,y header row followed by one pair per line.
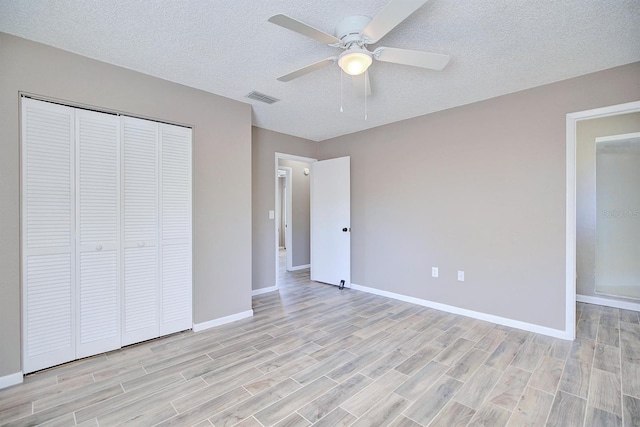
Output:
x,y
344,230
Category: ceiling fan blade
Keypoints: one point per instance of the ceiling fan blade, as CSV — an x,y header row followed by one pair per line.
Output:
x,y
362,84
308,69
394,13
415,58
304,29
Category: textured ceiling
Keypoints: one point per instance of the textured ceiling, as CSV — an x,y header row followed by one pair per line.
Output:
x,y
227,47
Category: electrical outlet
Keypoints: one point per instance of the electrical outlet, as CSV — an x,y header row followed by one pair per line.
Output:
x,y
434,271
460,276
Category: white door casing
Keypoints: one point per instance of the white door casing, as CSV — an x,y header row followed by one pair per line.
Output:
x,y
331,221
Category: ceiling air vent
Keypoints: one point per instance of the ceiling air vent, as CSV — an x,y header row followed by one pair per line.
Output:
x,y
257,96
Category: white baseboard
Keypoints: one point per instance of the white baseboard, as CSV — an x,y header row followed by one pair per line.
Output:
x,y
300,267
263,290
197,327
608,302
556,333
12,379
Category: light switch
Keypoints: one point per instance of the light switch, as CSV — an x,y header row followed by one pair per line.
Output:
x,y
434,271
461,276
272,214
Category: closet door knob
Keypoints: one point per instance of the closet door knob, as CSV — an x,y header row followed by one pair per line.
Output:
x,y
140,244
99,247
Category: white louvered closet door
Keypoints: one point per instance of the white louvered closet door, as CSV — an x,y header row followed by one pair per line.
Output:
x,y
175,230
140,230
98,240
106,232
48,236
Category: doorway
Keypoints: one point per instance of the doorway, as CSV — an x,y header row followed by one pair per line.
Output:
x,y
292,221
572,121
617,243
283,215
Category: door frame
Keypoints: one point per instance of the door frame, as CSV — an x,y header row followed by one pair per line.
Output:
x,y
571,149
294,157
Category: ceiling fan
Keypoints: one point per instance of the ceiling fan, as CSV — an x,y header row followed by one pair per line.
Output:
x,y
354,33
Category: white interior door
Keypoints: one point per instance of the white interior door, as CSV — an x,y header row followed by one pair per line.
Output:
x,y
106,232
48,235
331,221
140,230
98,228
175,229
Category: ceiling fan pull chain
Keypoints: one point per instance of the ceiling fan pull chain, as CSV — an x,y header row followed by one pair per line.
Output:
x,y
365,95
341,73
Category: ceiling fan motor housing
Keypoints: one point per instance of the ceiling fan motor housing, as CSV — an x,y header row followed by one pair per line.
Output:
x,y
349,29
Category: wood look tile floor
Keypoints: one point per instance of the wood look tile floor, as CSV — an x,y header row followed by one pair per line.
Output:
x,y
315,355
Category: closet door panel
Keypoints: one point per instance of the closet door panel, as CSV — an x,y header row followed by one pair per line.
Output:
x,y
48,238
98,200
140,230
176,289
140,294
176,183
176,218
48,311
99,308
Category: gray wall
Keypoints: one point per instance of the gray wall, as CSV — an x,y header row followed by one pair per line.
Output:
x,y
265,144
222,174
300,213
479,188
587,132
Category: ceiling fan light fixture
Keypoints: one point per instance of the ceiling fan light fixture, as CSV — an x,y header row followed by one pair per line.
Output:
x,y
355,61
